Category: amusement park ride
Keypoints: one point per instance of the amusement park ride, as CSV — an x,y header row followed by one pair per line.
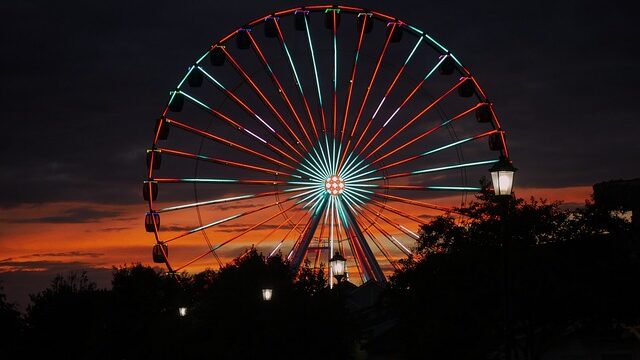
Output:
x,y
314,131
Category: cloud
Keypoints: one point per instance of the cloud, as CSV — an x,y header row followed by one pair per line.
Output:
x,y
93,255
230,228
176,228
239,206
43,265
114,229
75,215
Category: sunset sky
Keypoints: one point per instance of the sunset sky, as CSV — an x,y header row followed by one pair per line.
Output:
x,y
84,82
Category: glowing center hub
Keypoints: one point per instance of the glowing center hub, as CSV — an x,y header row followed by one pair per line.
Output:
x,y
334,185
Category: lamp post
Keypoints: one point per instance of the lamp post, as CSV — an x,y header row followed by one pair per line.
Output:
x,y
502,178
337,264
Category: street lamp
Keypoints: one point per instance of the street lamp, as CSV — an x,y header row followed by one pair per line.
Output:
x,y
337,263
267,293
502,177
182,311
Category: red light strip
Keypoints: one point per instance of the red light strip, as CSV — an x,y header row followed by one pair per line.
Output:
x,y
353,78
260,54
398,212
250,111
289,232
416,117
244,182
335,76
304,98
242,214
263,97
425,134
382,231
413,202
229,143
411,158
246,132
222,161
387,220
382,249
366,94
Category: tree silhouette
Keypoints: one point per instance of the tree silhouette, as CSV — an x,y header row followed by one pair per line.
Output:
x,y
569,269
11,327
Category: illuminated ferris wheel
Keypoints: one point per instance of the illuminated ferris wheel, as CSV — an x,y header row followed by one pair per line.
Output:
x,y
311,131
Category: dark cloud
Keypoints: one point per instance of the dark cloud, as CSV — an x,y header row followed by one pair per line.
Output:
x,y
562,76
232,228
238,206
114,229
57,254
83,214
176,228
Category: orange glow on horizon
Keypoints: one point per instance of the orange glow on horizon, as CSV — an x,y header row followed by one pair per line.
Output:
x,y
34,234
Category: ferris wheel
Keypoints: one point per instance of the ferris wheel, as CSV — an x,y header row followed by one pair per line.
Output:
x,y
311,131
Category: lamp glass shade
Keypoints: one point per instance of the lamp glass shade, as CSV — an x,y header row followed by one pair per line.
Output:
x,y
502,177
338,263
267,294
502,181
182,311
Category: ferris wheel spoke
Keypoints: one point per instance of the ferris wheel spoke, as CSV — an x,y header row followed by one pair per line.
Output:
x,y
383,250
398,212
427,133
379,214
372,268
387,92
223,162
229,143
237,216
359,172
235,125
298,82
287,220
353,78
210,251
432,151
315,71
420,188
335,70
263,97
356,179
358,210
281,90
299,251
385,205
284,238
225,200
230,94
220,181
404,102
415,118
368,91
359,247
419,203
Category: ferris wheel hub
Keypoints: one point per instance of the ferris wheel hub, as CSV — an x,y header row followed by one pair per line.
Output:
x,y
334,185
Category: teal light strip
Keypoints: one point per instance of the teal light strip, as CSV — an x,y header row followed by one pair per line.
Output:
x,y
313,59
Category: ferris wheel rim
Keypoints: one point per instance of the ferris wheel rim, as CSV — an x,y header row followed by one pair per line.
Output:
x,y
299,153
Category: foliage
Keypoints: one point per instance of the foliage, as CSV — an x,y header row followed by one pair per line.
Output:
x,y
11,326
545,269
226,316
